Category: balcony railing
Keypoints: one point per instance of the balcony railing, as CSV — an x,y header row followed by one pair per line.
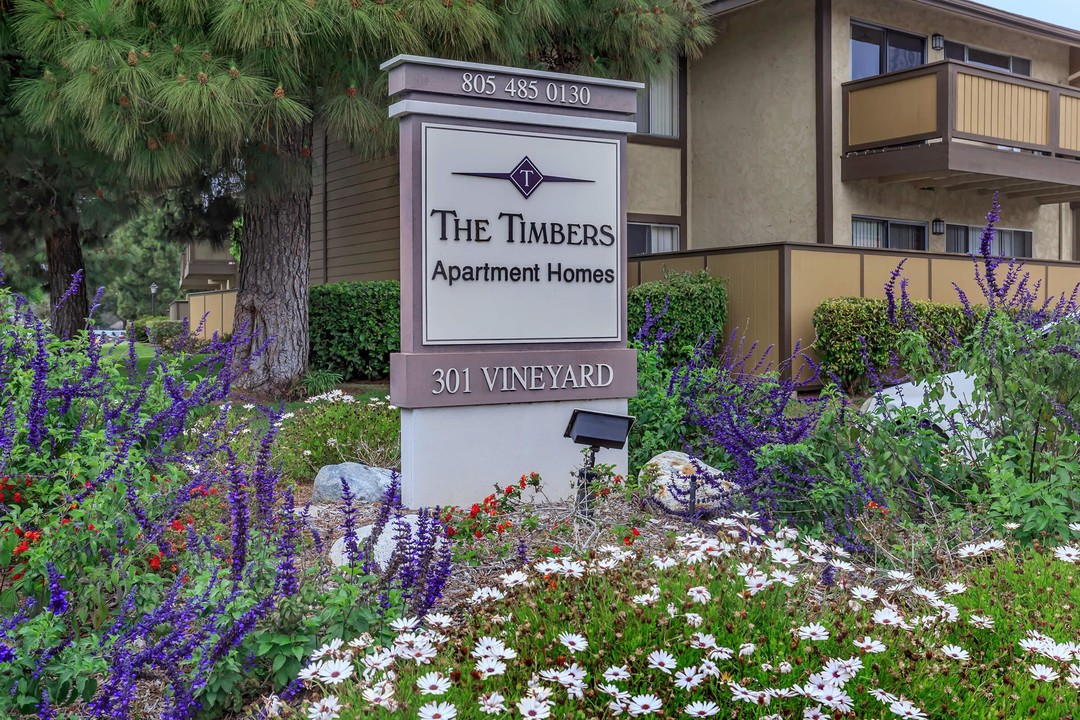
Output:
x,y
952,101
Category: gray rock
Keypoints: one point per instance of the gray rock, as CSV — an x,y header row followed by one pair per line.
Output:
x,y
366,483
673,470
384,544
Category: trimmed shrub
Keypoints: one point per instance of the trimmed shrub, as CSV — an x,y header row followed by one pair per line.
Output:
x,y
841,322
157,329
696,307
354,326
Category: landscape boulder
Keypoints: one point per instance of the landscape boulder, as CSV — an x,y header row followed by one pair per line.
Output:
x,y
367,484
670,474
384,544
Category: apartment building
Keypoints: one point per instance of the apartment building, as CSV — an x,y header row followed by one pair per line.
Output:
x,y
814,145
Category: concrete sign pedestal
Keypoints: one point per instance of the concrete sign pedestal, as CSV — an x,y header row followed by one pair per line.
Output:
x,y
513,272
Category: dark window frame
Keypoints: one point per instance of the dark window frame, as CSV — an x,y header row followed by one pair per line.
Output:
x,y
889,222
974,232
883,51
1012,69
648,240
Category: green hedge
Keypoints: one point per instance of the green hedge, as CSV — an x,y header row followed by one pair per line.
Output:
x,y
354,326
840,322
698,306
157,329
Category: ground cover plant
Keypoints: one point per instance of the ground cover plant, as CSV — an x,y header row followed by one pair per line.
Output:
x,y
143,572
728,620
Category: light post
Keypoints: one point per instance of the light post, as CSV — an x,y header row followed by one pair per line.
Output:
x,y
153,298
594,430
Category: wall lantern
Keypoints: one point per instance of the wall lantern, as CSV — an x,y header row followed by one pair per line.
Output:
x,y
595,430
937,41
937,226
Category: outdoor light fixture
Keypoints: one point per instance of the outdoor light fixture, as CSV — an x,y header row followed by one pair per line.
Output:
x,y
937,226
596,430
153,298
937,41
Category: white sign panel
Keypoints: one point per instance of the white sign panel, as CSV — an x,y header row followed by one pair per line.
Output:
x,y
521,237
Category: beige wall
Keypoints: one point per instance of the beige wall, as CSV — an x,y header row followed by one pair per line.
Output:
x,y
752,129
654,180
1052,228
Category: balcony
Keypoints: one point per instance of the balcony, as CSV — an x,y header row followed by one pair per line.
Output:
x,y
958,127
204,268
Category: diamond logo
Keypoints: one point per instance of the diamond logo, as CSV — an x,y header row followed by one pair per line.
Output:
x,y
526,177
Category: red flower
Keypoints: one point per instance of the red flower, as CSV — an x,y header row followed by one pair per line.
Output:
x,y
628,541
509,489
478,534
17,497
635,532
500,528
155,562
475,510
177,525
21,548
556,549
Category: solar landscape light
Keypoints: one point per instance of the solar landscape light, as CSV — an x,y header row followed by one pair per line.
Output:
x,y
595,430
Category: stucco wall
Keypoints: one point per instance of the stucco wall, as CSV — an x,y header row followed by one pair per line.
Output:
x,y
751,107
654,180
905,201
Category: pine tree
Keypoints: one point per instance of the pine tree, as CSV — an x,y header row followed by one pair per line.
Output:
x,y
168,88
65,196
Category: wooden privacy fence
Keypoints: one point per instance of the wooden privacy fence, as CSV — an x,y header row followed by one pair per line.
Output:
x,y
218,308
774,288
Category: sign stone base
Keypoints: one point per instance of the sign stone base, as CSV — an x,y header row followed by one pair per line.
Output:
x,y
457,455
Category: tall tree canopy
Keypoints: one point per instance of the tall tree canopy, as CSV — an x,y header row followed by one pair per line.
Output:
x,y
54,197
171,88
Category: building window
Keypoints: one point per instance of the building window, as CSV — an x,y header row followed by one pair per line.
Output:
x,y
1006,243
987,58
645,239
890,234
658,104
876,50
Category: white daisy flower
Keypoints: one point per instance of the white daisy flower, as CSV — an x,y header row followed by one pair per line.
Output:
x,y
438,620
813,631
1075,527
514,579
786,557
325,709
982,621
814,713
332,672
662,660
906,710
1067,553
869,645
644,705
437,711
882,696
533,709
701,709
493,648
699,594
573,642
492,704
784,577
747,648
616,673
688,678
486,594
887,617
954,588
432,683
1044,673
694,620
955,652
661,562
405,623
489,667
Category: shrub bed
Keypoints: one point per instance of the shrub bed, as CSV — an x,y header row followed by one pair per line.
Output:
x,y
856,337
354,326
689,307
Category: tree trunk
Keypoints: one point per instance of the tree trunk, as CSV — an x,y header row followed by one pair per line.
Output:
x,y
272,301
63,253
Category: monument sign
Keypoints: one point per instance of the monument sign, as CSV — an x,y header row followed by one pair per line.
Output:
x,y
513,272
